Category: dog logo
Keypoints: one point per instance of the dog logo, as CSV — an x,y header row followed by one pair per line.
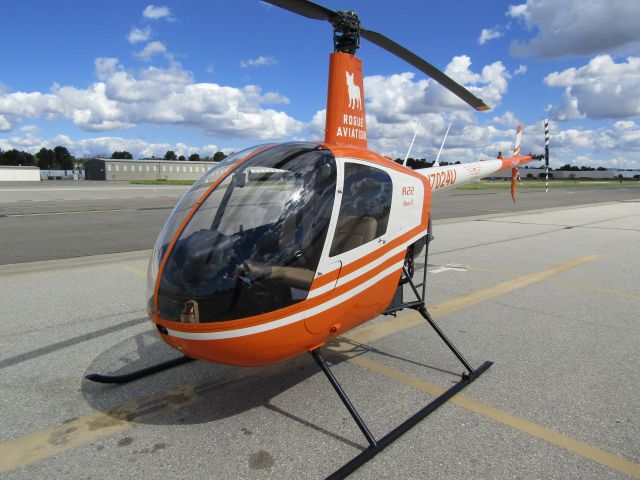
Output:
x,y
354,92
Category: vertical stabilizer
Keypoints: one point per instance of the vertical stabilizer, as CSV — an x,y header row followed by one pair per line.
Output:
x,y
515,174
516,148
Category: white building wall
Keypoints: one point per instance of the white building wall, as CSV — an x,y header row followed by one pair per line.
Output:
x,y
19,174
118,169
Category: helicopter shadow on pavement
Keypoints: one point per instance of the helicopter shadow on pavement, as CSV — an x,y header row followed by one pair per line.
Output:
x,y
202,392
198,392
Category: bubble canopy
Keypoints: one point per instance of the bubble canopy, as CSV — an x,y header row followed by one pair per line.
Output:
x,y
246,239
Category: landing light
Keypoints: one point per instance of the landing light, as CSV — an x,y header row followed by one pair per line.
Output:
x,y
189,312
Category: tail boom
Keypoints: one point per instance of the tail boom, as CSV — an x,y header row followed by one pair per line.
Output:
x,y
444,178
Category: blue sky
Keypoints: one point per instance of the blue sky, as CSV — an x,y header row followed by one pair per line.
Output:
x,y
221,75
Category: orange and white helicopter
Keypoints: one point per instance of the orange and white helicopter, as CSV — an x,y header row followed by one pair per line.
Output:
x,y
282,247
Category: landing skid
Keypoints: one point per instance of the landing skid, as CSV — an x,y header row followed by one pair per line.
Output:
x,y
143,372
378,445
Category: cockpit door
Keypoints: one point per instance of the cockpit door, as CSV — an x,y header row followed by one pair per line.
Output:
x,y
323,285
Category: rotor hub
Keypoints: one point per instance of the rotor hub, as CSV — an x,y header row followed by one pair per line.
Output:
x,y
346,32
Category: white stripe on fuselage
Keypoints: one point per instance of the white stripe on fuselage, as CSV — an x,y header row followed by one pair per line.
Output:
x,y
263,327
364,269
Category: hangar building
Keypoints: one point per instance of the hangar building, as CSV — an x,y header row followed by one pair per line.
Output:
x,y
118,169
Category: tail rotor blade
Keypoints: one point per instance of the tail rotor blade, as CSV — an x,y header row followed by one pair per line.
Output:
x,y
515,178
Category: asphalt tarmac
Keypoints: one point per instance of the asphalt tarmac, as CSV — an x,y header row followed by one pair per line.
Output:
x,y
551,296
51,220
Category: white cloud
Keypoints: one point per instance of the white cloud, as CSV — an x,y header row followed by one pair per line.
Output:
x,y
261,61
88,147
489,85
521,70
154,13
507,118
123,99
152,49
5,126
576,27
30,129
398,97
30,105
137,35
600,89
105,66
488,34
516,11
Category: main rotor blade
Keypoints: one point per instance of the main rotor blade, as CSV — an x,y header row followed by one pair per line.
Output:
x,y
305,8
426,67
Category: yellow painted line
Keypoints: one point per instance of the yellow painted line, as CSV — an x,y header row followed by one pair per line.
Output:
x,y
568,283
58,439
585,450
80,431
606,291
61,438
412,318
135,271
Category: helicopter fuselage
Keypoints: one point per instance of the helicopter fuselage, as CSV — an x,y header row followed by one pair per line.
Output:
x,y
275,308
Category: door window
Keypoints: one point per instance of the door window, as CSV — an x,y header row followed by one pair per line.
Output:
x,y
365,207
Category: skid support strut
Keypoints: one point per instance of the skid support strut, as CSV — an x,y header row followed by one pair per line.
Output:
x,y
376,446
143,372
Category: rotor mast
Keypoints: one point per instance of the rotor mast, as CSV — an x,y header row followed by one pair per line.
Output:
x,y
346,32
346,120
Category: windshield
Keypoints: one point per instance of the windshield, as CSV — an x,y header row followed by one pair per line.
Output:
x,y
182,209
254,243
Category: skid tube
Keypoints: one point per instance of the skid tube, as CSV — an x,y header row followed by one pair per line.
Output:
x,y
143,372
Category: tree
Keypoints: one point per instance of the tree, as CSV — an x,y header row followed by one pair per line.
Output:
x,y
16,157
64,160
170,155
219,156
194,157
122,154
181,158
414,163
601,169
45,159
